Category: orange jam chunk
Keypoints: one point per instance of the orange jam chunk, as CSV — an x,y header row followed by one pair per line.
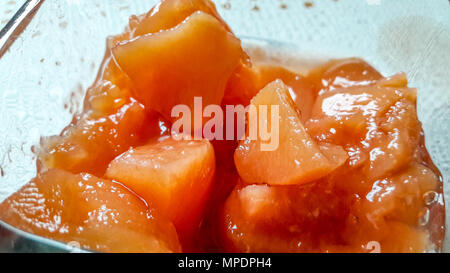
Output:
x,y
89,144
99,214
296,159
191,60
344,73
173,176
261,218
354,109
382,121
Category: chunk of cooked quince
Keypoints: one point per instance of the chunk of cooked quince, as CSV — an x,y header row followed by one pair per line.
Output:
x,y
397,141
378,121
99,214
90,143
174,176
346,115
263,218
169,68
297,158
343,73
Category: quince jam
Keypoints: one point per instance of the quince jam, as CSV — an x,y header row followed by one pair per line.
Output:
x,y
350,172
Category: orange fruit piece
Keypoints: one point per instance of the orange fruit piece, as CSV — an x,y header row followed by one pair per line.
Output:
x,y
396,143
343,73
351,112
262,218
194,59
297,159
89,144
379,120
99,214
173,176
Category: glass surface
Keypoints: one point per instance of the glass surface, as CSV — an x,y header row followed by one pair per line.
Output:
x,y
46,71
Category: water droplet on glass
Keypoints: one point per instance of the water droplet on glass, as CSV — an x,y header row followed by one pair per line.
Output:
x,y
430,197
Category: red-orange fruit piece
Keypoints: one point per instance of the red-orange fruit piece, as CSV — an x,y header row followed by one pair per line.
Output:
x,y
173,176
262,218
194,59
343,73
99,215
381,120
89,144
296,158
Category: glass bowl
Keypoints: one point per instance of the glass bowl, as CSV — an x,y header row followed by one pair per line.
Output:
x,y
47,69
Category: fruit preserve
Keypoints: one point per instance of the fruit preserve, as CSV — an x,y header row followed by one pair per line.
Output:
x,y
187,144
